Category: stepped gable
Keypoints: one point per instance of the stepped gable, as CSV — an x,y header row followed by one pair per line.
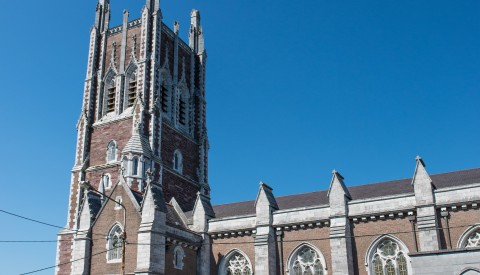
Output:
x,y
367,191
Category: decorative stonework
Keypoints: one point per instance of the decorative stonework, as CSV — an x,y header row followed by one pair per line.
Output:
x,y
306,260
375,217
236,263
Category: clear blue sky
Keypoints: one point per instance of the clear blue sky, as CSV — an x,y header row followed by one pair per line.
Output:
x,y
295,89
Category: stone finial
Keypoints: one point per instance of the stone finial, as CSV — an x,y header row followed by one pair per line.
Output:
x,y
176,27
202,212
195,18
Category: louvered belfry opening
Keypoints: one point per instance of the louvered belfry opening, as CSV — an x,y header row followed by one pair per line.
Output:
x,y
132,91
182,112
164,99
111,99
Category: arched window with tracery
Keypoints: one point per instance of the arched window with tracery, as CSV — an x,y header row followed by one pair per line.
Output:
x,y
112,151
470,238
235,263
388,256
306,259
115,243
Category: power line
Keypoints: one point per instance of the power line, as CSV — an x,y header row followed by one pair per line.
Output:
x,y
50,267
322,239
44,223
17,241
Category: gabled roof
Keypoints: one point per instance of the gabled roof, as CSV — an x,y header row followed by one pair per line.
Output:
x,y
173,218
367,191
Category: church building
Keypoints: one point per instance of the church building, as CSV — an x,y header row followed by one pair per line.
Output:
x,y
140,198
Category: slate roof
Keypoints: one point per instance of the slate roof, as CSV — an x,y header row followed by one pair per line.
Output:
x,y
173,218
95,203
367,191
158,197
138,144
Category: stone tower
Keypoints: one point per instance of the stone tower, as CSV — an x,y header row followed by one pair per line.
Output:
x,y
143,109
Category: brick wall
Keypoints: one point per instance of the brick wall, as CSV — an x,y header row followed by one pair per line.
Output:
x,y
104,223
65,253
366,233
461,221
221,247
189,261
317,237
120,131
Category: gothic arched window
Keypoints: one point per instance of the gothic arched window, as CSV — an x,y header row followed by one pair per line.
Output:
x,y
107,180
165,93
470,238
112,151
131,86
178,161
235,263
178,255
306,259
110,94
388,256
115,243
183,106
135,166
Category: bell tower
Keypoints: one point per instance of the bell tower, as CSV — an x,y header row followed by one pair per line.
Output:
x,y
143,108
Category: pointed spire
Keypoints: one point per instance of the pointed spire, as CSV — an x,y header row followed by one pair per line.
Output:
x,y
195,37
338,184
202,212
154,197
420,174
422,184
265,194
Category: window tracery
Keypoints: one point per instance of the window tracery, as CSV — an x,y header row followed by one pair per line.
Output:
x,y
474,239
237,264
389,258
306,260
115,243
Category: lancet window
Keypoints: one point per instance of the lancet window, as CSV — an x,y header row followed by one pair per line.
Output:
x,y
115,243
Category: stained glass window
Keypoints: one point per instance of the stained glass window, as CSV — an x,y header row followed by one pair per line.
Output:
x,y
237,264
306,261
474,239
115,243
389,259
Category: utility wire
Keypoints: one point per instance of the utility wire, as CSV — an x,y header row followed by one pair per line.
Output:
x,y
249,242
50,267
44,223
321,239
17,241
